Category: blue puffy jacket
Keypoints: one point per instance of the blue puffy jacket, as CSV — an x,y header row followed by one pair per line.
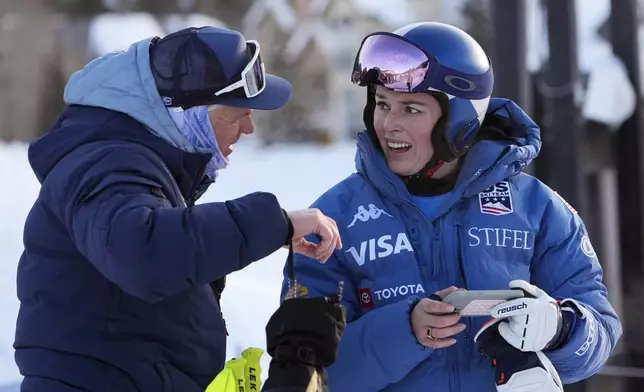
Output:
x,y
498,224
114,280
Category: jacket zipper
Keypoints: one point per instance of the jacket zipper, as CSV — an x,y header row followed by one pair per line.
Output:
x,y
433,225
421,268
461,266
437,247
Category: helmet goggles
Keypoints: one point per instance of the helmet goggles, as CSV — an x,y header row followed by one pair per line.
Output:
x,y
400,65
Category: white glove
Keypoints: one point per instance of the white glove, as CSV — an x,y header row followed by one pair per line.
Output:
x,y
530,324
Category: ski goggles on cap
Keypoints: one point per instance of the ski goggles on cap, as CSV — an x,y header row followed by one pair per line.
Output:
x,y
253,76
391,61
206,66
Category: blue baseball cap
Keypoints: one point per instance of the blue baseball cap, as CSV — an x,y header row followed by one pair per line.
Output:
x,y
214,66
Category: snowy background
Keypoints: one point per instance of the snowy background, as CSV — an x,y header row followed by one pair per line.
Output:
x,y
296,174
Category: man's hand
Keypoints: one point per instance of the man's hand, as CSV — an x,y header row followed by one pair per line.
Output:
x,y
434,323
531,323
313,221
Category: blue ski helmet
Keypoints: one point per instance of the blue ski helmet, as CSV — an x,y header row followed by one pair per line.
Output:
x,y
437,59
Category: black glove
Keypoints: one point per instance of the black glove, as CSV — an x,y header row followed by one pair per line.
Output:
x,y
306,330
510,362
302,339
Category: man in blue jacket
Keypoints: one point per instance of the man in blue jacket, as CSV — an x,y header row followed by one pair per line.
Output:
x,y
121,275
439,200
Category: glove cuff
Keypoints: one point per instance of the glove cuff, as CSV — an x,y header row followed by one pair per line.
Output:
x,y
574,306
567,316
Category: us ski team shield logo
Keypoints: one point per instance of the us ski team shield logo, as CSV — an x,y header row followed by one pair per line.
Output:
x,y
496,200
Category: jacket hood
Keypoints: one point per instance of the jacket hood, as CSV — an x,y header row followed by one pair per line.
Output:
x,y
114,97
123,82
487,162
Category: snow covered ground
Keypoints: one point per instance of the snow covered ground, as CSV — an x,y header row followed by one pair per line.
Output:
x,y
297,175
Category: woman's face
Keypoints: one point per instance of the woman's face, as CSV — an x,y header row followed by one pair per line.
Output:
x,y
404,123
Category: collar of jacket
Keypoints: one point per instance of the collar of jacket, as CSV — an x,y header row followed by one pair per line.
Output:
x,y
487,163
79,125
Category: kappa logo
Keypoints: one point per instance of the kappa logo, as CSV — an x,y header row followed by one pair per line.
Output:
x,y
497,199
365,215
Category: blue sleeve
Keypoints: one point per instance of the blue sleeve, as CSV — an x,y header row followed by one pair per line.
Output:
x,y
121,222
377,348
567,268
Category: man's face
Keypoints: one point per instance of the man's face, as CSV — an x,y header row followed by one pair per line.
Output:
x,y
404,123
230,123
